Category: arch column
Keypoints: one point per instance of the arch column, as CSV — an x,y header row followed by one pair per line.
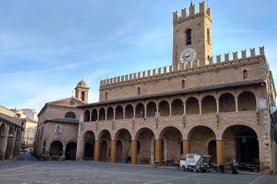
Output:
x,y
200,107
237,104
220,152
186,147
113,150
158,149
97,151
134,151
3,144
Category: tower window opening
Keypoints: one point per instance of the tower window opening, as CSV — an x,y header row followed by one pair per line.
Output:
x,y
208,36
188,37
82,96
106,96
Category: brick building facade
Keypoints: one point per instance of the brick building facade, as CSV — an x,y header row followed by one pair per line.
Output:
x,y
199,104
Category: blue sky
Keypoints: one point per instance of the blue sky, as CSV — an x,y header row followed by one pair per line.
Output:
x,y
47,47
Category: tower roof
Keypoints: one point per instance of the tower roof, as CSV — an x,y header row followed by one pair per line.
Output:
x,y
82,84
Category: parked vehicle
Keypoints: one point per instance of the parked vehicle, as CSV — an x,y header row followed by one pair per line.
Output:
x,y
195,162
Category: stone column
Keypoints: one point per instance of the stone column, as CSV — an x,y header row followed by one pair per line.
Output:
x,y
3,144
113,151
186,147
220,152
134,151
158,158
97,151
79,152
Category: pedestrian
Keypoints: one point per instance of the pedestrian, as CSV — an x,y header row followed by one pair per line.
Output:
x,y
235,166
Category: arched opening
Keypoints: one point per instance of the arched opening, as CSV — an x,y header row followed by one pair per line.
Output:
x,y
89,140
70,115
87,116
123,146
56,150
140,110
145,153
192,106
227,103
94,115
110,113
177,107
151,109
246,101
171,145
241,142
200,140
102,114
119,112
208,104
129,112
70,151
164,108
105,146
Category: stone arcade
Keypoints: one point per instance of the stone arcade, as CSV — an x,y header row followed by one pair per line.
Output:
x,y
199,104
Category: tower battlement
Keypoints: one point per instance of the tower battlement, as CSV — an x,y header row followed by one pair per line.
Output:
x,y
187,67
192,12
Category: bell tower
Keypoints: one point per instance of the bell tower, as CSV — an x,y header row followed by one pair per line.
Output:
x,y
192,36
81,91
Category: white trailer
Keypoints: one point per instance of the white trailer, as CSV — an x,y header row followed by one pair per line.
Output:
x,y
195,162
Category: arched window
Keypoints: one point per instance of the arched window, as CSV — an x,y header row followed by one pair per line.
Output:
x,y
70,115
244,74
83,96
138,91
183,84
106,96
188,37
87,116
58,129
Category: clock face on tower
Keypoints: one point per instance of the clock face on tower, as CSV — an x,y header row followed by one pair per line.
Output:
x,y
188,55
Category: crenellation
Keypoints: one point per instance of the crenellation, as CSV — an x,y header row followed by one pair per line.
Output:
x,y
243,54
203,7
262,50
209,12
165,69
192,10
184,66
235,56
184,13
227,57
252,52
218,59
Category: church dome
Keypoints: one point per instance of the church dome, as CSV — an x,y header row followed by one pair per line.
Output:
x,y
82,84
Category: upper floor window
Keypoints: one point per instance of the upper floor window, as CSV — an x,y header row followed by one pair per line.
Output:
x,y
244,74
70,115
138,91
58,129
188,37
183,84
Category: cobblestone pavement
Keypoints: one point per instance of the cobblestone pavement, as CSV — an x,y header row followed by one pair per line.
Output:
x,y
88,172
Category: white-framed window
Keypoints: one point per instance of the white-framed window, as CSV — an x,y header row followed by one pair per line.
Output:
x,y
58,129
